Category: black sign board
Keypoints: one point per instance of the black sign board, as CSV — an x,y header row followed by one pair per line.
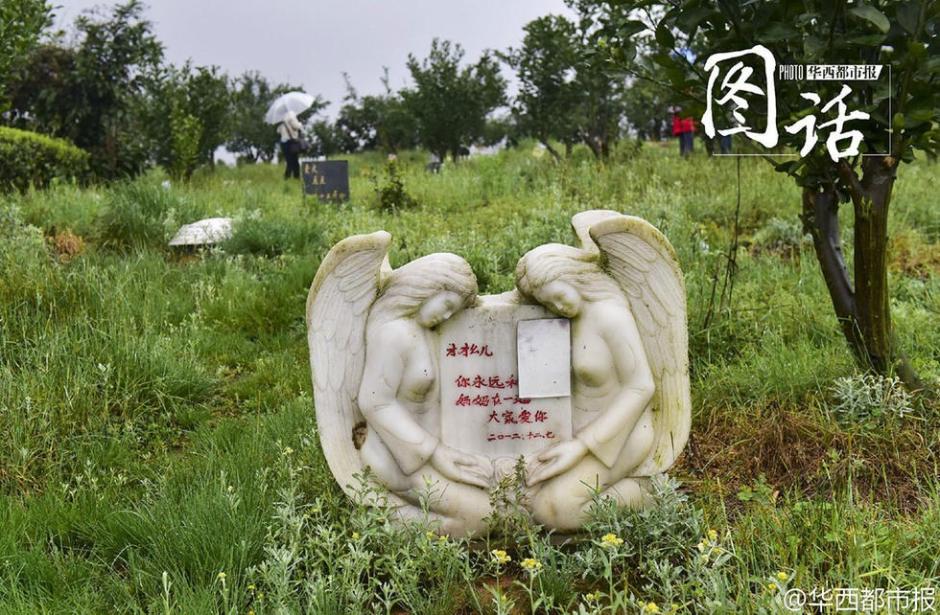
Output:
x,y
326,179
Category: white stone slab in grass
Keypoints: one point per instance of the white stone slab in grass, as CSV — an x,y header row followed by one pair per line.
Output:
x,y
204,232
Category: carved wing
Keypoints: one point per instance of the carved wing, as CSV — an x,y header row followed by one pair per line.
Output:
x,y
644,263
342,292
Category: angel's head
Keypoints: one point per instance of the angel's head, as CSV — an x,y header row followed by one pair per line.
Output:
x,y
562,278
429,289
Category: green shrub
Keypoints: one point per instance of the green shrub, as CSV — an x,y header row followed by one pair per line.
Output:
x,y
782,236
186,131
869,397
31,159
254,234
391,194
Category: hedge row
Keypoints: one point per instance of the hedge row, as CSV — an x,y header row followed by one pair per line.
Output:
x,y
31,159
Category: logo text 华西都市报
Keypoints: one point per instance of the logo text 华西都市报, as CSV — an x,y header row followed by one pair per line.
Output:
x,y
858,600
742,99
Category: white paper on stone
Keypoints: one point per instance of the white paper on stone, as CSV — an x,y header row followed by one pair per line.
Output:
x,y
481,409
203,232
543,347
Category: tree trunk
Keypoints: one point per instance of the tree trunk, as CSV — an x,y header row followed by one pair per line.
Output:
x,y
864,311
709,146
594,144
871,198
821,220
551,150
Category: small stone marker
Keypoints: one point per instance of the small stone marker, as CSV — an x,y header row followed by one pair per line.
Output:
x,y
327,180
481,409
203,232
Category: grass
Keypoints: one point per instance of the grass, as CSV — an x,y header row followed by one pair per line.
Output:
x,y
161,453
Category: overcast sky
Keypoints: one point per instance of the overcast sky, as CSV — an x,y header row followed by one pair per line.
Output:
x,y
312,42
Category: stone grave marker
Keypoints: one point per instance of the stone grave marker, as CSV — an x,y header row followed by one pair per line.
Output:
x,y
579,376
481,409
327,180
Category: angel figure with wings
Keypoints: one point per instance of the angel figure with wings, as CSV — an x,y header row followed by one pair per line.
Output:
x,y
373,351
624,294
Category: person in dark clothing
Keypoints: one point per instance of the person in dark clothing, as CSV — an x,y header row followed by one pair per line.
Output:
x,y
725,142
289,131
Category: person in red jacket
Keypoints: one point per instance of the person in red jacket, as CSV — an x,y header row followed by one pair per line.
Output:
x,y
684,128
676,123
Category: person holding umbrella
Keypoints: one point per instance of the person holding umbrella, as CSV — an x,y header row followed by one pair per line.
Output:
x,y
283,113
289,131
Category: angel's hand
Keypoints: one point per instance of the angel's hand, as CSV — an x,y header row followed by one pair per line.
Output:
x,y
559,458
462,467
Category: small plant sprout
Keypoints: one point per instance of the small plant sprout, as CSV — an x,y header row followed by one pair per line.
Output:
x,y
167,584
870,398
502,604
223,590
709,547
537,598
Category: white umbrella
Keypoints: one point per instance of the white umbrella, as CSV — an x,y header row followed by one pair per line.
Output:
x,y
292,102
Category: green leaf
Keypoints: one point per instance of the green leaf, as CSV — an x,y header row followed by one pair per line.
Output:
x,y
805,18
908,155
630,27
867,40
689,20
908,15
664,36
917,50
813,46
664,59
778,32
872,15
921,115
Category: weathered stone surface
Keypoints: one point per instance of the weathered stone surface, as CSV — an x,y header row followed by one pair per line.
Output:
x,y
203,232
481,408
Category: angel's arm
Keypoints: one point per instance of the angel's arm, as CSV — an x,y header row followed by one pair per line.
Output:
x,y
407,441
606,435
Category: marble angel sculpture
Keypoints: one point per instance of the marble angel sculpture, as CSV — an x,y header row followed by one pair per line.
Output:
x,y
374,363
624,293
